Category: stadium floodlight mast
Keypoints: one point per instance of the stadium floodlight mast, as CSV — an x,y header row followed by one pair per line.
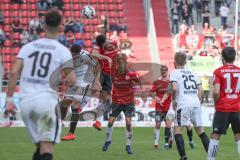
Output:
x,y
236,26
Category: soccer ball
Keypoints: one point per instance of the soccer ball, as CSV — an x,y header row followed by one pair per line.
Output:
x,y
88,12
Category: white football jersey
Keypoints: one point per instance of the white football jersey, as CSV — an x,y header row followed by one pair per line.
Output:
x,y
40,59
187,87
84,65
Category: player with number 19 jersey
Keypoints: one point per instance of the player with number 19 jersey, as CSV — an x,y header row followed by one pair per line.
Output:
x,y
228,76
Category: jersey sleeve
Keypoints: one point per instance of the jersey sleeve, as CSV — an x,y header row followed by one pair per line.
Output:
x,y
173,76
198,81
22,53
169,89
216,77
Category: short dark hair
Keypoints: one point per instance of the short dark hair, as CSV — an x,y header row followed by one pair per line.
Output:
x,y
75,49
100,40
229,54
180,58
164,67
53,18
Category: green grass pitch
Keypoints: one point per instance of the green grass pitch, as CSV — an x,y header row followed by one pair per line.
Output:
x,y
15,145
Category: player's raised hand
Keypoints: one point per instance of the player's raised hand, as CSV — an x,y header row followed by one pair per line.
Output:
x,y
174,103
97,85
109,60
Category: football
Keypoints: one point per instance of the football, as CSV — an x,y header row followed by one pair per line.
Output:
x,y
88,12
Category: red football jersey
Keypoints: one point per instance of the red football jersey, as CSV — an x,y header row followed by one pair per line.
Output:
x,y
228,76
113,50
123,86
160,87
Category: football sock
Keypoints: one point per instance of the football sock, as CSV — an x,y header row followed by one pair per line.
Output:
x,y
212,149
167,134
109,131
156,135
128,137
74,120
205,140
46,156
106,105
190,135
36,155
180,145
238,148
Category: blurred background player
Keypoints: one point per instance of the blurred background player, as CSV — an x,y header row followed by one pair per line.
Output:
x,y
86,70
122,99
227,101
104,50
35,63
186,96
159,88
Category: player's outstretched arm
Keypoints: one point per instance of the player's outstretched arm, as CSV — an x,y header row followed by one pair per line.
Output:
x,y
96,54
200,92
174,94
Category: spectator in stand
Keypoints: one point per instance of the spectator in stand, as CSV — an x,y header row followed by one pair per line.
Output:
x,y
206,15
2,37
224,10
69,25
17,1
115,36
190,12
193,30
16,25
185,12
199,8
205,3
34,24
103,25
179,8
58,4
206,29
1,18
206,87
42,5
24,37
217,4
113,26
50,3
62,39
34,35
229,2
78,26
175,19
70,37
1,73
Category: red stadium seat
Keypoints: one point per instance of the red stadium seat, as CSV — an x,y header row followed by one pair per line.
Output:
x,y
109,1
25,21
77,14
111,7
67,1
93,1
6,13
42,34
7,50
16,50
7,58
7,28
89,49
16,36
6,1
84,1
33,1
88,43
33,6
25,13
120,14
6,6
7,21
112,14
24,6
8,66
75,1
102,7
101,1
86,21
67,14
87,28
15,6
67,7
8,43
120,7
95,21
15,14
76,7
78,36
33,14
119,1
87,36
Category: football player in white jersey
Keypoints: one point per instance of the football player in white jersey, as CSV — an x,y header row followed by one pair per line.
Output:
x,y
35,64
87,71
186,95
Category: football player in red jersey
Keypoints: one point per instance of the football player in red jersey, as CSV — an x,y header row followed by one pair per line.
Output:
x,y
227,101
104,50
158,90
122,99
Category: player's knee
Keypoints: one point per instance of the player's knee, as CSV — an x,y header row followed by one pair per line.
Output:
x,y
110,124
158,125
129,127
215,136
199,130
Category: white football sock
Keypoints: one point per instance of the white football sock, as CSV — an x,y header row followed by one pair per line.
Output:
x,y
156,136
128,137
109,131
238,148
212,149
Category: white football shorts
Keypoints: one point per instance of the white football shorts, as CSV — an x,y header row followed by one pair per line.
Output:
x,y
41,116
